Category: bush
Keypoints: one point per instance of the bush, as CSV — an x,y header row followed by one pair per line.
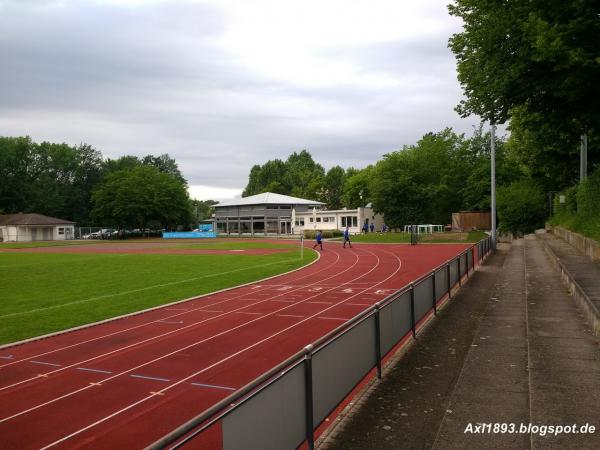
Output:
x,y
521,207
327,234
588,196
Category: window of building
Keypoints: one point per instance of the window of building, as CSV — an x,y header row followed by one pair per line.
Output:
x,y
300,222
311,220
318,219
61,231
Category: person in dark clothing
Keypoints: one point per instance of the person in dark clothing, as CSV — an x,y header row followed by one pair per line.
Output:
x,y
319,240
372,226
347,237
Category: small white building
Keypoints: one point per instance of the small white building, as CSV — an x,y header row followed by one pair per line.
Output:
x,y
34,227
338,219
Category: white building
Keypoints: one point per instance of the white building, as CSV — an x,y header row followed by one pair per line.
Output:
x,y
338,219
34,227
275,214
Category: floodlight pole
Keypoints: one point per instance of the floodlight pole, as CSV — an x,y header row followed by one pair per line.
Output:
x,y
493,169
583,158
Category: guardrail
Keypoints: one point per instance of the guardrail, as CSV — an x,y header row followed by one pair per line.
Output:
x,y
282,408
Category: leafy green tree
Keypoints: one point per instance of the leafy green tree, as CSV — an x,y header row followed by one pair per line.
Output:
x,y
333,186
141,197
536,63
521,207
357,187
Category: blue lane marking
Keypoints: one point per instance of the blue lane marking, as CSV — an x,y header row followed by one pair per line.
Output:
x,y
213,386
149,378
7,357
94,370
45,363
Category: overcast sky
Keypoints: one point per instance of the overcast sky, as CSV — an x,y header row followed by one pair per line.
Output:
x,y
222,85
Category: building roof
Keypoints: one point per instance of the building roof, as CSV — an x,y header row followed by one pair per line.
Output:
x,y
269,198
31,219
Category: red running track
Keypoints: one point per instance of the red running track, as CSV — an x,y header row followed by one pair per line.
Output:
x,y
128,382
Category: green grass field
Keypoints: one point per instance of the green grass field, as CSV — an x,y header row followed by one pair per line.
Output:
x,y
42,293
390,238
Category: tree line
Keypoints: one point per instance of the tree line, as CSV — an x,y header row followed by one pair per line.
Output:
x,y
76,183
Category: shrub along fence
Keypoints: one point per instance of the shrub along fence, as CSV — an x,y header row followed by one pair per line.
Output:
x,y
282,408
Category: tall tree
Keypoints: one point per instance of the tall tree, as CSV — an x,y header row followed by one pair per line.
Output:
x,y
537,62
333,187
140,198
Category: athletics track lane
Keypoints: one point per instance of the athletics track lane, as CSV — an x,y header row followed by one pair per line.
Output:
x,y
132,386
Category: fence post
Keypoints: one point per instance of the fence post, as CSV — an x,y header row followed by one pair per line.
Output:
x,y
459,270
449,284
434,294
473,258
310,439
413,323
378,340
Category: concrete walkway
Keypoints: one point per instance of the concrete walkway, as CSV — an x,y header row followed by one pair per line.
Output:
x,y
529,359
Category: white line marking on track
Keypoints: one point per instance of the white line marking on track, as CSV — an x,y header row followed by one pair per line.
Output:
x,y
169,321
93,370
145,377
45,363
320,303
213,386
248,312
283,301
7,357
290,315
334,318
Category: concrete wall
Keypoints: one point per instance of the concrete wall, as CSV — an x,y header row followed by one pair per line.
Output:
x,y
584,244
37,233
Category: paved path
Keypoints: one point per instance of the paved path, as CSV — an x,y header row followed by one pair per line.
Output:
x,y
531,360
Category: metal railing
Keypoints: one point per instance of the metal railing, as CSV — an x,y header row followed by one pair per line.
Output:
x,y
282,408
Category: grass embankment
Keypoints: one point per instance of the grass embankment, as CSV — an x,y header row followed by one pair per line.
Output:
x,y
587,226
390,238
43,293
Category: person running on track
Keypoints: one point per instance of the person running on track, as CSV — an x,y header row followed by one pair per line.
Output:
x,y
347,237
319,240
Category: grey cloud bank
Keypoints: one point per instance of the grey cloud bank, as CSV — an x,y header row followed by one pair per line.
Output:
x,y
221,89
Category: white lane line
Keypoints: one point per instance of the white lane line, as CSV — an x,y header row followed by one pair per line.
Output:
x,y
210,310
284,301
45,363
248,312
170,321
145,377
7,357
233,355
334,318
214,386
290,315
94,370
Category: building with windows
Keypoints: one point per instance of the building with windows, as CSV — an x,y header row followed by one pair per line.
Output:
x,y
34,227
275,214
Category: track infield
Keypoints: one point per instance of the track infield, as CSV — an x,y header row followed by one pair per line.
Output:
x,y
128,382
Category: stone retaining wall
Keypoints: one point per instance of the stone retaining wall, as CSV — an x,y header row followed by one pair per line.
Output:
x,y
585,245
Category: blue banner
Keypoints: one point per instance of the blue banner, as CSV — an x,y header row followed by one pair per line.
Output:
x,y
189,235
